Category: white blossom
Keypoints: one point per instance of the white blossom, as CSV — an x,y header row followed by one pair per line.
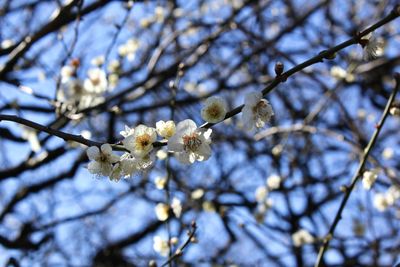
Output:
x,y
261,193
161,246
214,109
190,143
98,61
176,207
128,131
101,159
31,136
380,202
197,194
129,49
162,211
161,154
96,82
302,237
140,143
114,66
388,153
166,129
256,111
160,182
373,47
392,194
67,72
369,178
7,43
274,182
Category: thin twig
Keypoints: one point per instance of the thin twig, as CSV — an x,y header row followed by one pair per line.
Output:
x,y
179,251
358,173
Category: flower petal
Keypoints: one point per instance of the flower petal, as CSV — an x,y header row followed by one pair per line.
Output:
x,y
106,149
186,126
93,152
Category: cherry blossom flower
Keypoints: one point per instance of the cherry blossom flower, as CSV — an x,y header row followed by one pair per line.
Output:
x,y
380,202
274,182
129,49
128,131
96,82
166,129
161,246
176,207
101,159
302,237
160,182
373,47
214,109
369,178
140,143
256,111
67,72
190,143
261,193
162,211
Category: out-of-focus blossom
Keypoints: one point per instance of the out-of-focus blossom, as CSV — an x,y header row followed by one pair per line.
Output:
x,y
302,237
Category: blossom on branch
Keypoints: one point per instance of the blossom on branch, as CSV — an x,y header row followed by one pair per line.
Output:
x,y
190,143
140,143
161,246
96,82
214,109
101,159
166,129
302,237
256,111
373,47
369,178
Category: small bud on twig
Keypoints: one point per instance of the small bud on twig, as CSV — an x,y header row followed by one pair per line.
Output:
x,y
279,67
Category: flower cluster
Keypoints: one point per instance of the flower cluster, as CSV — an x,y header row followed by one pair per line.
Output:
x,y
302,237
75,92
188,142
264,203
369,178
162,210
384,200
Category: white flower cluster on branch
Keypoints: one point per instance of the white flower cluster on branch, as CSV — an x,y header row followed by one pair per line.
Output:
x,y
188,142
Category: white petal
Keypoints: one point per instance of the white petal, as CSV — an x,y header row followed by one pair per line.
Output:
x,y
175,143
94,167
140,129
205,151
106,149
106,169
186,126
247,119
93,152
252,98
184,157
113,158
128,142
